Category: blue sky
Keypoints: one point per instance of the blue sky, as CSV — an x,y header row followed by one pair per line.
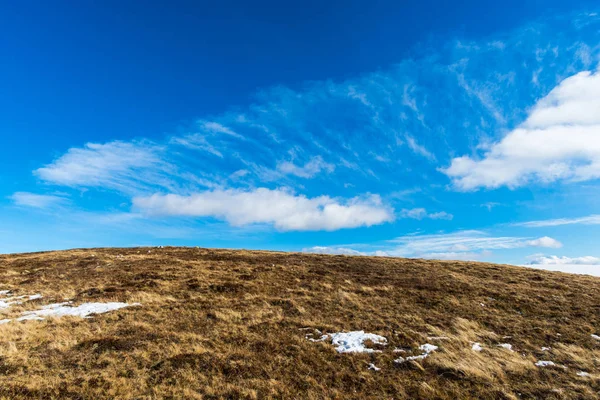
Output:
x,y
430,130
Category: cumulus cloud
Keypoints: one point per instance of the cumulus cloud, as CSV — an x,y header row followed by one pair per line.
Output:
x,y
36,200
421,213
558,141
283,209
587,220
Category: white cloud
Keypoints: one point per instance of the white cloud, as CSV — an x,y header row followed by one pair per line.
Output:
x,y
545,242
462,245
420,213
451,255
587,265
280,207
461,242
215,127
310,169
36,200
419,149
587,220
332,250
558,141
538,259
124,166
196,142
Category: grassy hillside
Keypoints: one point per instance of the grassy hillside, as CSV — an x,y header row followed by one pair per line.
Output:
x,y
236,324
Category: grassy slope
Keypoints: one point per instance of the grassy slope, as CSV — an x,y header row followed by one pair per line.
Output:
x,y
227,324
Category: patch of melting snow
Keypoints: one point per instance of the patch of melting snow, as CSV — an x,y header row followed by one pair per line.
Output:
x,y
583,373
506,346
546,348
425,348
84,310
595,337
373,367
352,342
545,363
6,302
476,347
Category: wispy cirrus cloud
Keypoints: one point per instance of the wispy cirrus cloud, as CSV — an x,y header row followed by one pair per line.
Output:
x,y
421,213
281,208
461,245
122,166
587,220
308,170
36,200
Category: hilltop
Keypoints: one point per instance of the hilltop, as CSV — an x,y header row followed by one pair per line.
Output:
x,y
208,324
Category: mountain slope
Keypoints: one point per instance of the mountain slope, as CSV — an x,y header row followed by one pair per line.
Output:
x,y
250,324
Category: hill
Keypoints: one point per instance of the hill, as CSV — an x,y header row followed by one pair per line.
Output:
x,y
150,323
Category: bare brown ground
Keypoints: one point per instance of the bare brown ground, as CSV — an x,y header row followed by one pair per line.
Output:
x,y
230,324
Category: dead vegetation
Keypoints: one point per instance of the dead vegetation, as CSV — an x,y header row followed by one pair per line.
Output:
x,y
233,324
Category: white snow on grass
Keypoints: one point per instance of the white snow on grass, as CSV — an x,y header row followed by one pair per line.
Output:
x,y
583,373
85,310
545,364
476,347
352,342
373,367
428,348
546,348
425,348
6,302
506,346
595,337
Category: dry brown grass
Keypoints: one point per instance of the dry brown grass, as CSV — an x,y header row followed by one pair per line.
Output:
x,y
231,324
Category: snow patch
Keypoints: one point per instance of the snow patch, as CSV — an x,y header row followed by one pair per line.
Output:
x,y
546,348
6,302
373,367
476,347
425,348
583,373
84,310
353,342
595,337
545,364
506,346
